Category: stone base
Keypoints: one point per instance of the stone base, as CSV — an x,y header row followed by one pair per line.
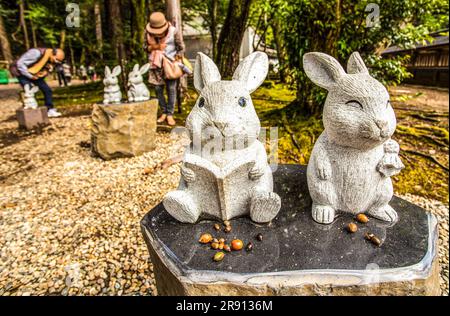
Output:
x,y
32,118
297,256
123,130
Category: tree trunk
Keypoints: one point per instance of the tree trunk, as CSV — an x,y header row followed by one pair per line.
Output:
x,y
23,24
4,42
33,34
62,41
281,53
212,10
229,43
98,28
117,38
137,28
174,16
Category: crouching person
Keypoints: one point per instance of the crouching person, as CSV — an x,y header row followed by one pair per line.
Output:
x,y
32,68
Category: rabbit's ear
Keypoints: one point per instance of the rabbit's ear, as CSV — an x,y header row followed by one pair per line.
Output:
x,y
355,64
136,68
35,89
26,88
144,68
116,71
252,70
107,71
205,72
322,69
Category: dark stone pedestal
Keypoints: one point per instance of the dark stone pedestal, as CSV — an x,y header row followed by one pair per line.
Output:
x,y
123,130
31,118
297,256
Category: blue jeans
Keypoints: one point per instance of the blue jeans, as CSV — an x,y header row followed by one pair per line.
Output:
x,y
43,86
171,87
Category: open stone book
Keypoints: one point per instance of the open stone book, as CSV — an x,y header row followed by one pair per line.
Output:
x,y
219,190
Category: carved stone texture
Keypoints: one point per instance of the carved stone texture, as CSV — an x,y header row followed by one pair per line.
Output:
x,y
296,255
123,130
225,172
32,118
353,159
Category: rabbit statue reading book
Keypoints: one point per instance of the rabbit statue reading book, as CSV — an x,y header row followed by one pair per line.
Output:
x,y
353,159
224,182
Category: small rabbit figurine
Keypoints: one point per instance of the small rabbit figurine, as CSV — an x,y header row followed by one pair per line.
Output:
x,y
233,181
353,159
112,89
29,101
137,89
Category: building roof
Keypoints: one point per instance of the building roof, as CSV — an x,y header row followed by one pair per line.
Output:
x,y
438,41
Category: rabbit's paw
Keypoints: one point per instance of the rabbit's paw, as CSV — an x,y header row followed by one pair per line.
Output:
x,y
391,146
324,170
256,172
385,213
264,206
181,206
323,214
187,174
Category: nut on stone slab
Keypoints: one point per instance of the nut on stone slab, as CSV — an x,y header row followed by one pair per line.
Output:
x,y
372,238
259,237
215,240
219,256
237,244
222,240
352,228
227,229
249,246
216,226
227,223
205,238
362,218
226,248
215,245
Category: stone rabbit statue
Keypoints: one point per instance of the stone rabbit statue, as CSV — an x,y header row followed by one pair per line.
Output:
x,y
29,100
137,89
353,159
236,180
112,93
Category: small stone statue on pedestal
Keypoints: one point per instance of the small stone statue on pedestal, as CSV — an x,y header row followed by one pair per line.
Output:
x,y
138,91
29,100
112,88
353,159
225,173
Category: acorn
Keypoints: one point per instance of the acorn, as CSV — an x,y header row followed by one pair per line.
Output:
x,y
249,246
226,248
372,238
219,256
215,240
259,237
352,228
227,223
221,244
216,226
215,245
362,218
237,244
227,229
205,238
222,240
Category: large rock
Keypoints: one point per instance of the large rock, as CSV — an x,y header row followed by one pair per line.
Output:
x,y
124,130
297,256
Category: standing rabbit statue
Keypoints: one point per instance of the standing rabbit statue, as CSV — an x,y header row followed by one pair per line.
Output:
x,y
29,100
353,159
234,180
112,93
137,89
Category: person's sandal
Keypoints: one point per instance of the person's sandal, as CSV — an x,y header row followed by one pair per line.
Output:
x,y
171,120
162,118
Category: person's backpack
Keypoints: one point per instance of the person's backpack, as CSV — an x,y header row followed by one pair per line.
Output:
x,y
14,70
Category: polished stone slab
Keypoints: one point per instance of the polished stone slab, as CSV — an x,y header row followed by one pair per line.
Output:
x,y
295,250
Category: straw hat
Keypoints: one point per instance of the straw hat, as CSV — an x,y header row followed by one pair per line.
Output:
x,y
158,23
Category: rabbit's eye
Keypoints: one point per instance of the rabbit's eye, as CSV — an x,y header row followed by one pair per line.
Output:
x,y
354,103
388,103
242,102
201,102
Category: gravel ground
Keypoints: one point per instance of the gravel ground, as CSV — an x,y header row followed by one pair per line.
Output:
x,y
69,223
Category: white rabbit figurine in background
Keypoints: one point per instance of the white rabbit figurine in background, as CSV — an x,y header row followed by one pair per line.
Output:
x,y
112,88
353,159
137,89
236,180
29,100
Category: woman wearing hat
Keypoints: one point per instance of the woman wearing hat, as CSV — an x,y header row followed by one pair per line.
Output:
x,y
163,40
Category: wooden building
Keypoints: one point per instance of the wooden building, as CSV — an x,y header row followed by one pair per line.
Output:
x,y
428,62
